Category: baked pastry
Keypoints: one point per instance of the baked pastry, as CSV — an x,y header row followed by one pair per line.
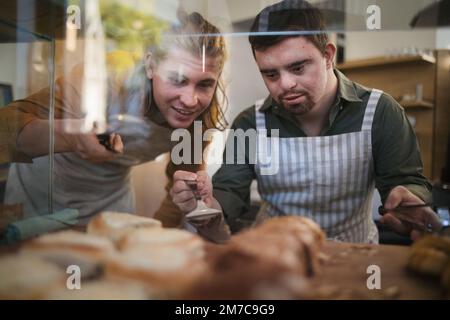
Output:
x,y
116,224
95,247
169,269
163,237
100,290
304,229
284,250
168,259
90,268
253,281
25,276
428,261
291,240
438,242
430,254
273,260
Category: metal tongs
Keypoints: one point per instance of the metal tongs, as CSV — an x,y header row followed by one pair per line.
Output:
x,y
401,215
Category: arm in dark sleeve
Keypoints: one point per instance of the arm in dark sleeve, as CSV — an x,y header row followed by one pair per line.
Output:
x,y
232,181
396,154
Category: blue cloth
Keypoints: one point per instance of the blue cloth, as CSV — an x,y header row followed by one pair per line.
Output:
x,y
32,227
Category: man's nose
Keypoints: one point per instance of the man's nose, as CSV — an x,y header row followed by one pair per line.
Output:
x,y
287,81
189,97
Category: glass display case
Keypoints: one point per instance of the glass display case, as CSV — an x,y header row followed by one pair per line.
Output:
x,y
67,67
28,33
73,64
108,106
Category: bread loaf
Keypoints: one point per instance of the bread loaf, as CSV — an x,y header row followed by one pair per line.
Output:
x,y
89,245
25,276
162,237
291,240
100,290
430,254
274,259
116,224
167,268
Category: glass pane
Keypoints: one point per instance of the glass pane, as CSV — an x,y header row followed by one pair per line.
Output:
x,y
104,102
26,86
109,54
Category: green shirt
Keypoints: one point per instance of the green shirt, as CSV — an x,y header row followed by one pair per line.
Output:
x,y
395,150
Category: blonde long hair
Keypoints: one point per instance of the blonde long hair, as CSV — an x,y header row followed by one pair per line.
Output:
x,y
193,34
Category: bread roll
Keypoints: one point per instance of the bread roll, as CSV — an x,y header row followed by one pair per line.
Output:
x,y
89,245
304,229
291,240
428,261
272,260
255,280
25,276
100,290
163,237
90,268
430,255
441,243
167,268
115,224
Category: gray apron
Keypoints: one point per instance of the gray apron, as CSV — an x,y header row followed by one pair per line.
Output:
x,y
329,179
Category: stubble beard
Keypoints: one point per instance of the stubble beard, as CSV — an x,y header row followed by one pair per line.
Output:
x,y
300,109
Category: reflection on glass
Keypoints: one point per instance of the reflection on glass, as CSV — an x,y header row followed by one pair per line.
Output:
x,y
103,85
113,95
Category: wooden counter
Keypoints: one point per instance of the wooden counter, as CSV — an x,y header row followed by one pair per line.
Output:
x,y
346,268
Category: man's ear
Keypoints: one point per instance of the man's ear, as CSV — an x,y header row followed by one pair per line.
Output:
x,y
330,51
149,65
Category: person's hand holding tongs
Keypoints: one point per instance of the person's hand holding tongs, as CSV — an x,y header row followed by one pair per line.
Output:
x,y
407,214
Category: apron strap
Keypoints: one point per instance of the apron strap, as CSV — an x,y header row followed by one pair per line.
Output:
x,y
370,109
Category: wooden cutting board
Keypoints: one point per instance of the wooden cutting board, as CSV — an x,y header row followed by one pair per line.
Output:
x,y
346,265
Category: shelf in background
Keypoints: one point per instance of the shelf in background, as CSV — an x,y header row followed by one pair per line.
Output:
x,y
383,61
416,104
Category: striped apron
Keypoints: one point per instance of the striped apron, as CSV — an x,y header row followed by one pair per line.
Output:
x,y
329,179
